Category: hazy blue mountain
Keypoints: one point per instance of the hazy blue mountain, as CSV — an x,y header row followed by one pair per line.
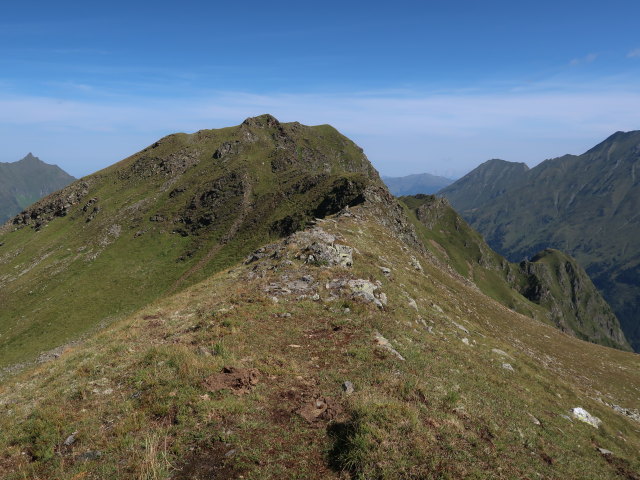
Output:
x,y
26,181
415,184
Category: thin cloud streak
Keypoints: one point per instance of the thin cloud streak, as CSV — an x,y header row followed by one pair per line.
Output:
x,y
401,133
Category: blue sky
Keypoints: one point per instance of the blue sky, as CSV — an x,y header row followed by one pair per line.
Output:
x,y
422,86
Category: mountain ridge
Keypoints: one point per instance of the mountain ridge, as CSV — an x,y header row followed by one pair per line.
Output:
x,y
551,279
414,184
584,204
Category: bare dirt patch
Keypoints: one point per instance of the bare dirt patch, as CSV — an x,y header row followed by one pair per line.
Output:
x,y
239,380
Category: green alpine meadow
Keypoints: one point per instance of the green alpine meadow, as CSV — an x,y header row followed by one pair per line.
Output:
x,y
252,302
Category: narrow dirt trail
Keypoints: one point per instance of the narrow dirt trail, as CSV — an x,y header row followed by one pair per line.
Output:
x,y
233,230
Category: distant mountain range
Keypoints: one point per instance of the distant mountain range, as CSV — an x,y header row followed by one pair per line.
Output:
x,y
587,205
26,181
415,184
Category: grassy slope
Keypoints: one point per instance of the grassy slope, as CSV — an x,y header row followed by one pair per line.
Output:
x,y
135,392
454,242
61,280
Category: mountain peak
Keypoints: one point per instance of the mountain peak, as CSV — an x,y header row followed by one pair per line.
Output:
x,y
29,157
619,137
265,120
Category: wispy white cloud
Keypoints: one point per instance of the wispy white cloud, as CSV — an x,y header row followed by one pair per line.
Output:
x,y
401,131
582,60
634,53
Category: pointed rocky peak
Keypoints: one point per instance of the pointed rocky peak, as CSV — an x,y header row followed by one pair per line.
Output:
x,y
262,121
625,140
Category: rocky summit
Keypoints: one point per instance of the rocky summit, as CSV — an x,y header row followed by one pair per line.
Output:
x,y
253,303
585,205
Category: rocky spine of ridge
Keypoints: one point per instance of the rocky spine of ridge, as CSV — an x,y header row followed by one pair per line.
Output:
x,y
551,279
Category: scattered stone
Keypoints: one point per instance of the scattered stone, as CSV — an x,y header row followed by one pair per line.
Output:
x,y
230,453
383,298
386,271
632,414
416,264
437,308
384,343
534,419
566,417
204,351
584,416
465,341
361,285
315,297
364,289
70,439
604,451
90,455
348,387
347,310
502,353
413,304
507,366
461,327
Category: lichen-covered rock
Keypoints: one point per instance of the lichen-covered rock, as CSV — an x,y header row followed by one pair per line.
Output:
x,y
584,416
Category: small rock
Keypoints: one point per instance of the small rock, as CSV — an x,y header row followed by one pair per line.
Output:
x,y
534,419
90,455
604,451
386,271
383,298
204,351
413,304
316,297
347,387
347,310
584,416
230,453
416,264
465,341
362,285
384,343
461,327
507,366
70,439
502,353
436,307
